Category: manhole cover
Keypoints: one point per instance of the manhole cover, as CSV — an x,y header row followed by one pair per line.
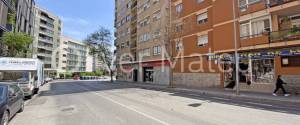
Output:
x,y
68,109
195,105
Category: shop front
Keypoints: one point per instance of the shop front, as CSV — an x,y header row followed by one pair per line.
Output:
x,y
258,70
157,72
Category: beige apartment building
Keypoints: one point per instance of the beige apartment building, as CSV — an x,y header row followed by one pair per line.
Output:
x,y
142,36
48,28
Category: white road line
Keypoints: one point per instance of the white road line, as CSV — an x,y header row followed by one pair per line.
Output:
x,y
130,108
261,104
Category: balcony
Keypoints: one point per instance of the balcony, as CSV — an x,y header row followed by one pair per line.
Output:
x,y
45,40
268,38
279,2
44,54
45,47
285,35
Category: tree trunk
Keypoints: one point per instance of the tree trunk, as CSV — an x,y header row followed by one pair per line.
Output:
x,y
111,76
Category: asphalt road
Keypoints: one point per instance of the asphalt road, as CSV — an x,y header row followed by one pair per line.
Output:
x,y
99,103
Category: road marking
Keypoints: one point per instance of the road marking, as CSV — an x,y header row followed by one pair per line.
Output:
x,y
261,104
130,108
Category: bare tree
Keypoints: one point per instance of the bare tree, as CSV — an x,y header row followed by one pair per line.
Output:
x,y
100,43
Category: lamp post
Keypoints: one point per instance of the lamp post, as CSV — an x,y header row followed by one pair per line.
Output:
x,y
236,55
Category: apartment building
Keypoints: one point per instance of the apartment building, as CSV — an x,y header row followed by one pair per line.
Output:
x,y
74,56
142,28
47,38
267,37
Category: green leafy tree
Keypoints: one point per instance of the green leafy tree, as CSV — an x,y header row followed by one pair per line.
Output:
x,y
16,43
100,43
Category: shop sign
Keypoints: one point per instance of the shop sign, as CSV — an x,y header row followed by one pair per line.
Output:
x,y
257,55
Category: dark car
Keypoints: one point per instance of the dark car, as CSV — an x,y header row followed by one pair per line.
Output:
x,y
11,101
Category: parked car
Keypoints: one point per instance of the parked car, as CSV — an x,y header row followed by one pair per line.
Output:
x,y
11,101
48,79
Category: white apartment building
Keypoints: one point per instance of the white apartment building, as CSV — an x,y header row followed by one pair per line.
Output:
x,y
74,56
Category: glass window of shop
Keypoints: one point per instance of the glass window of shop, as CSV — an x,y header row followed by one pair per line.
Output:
x,y
263,71
260,71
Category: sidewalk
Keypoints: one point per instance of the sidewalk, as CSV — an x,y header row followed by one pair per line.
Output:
x,y
220,92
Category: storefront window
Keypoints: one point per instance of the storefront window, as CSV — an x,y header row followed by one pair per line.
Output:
x,y
263,71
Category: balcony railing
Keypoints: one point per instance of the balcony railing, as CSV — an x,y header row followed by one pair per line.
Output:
x,y
271,37
10,4
285,35
279,2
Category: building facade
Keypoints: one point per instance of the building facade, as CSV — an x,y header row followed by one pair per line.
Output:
x,y
47,38
25,16
6,8
142,28
267,37
74,56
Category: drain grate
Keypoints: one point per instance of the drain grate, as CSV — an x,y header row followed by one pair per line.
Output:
x,y
195,104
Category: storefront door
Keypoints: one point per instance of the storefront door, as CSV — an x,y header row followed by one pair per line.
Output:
x,y
148,74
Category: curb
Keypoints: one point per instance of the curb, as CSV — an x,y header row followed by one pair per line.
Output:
x,y
211,93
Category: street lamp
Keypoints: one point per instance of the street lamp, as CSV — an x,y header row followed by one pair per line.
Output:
x,y
236,55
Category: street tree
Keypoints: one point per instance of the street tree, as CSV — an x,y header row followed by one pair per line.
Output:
x,y
100,43
16,43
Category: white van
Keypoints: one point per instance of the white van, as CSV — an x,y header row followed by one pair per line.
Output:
x,y
27,73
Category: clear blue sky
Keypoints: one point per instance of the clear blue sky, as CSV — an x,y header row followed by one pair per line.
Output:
x,y
81,17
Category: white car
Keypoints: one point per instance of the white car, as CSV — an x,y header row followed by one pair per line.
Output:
x,y
48,79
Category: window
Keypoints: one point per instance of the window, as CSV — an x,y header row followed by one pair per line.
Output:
x,y
128,17
144,53
179,8
290,61
179,46
146,5
200,1
178,27
245,29
255,27
144,22
245,3
156,15
202,18
202,40
144,37
129,5
128,30
155,1
156,50
122,45
156,34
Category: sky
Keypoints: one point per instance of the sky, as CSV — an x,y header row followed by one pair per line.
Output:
x,y
81,17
